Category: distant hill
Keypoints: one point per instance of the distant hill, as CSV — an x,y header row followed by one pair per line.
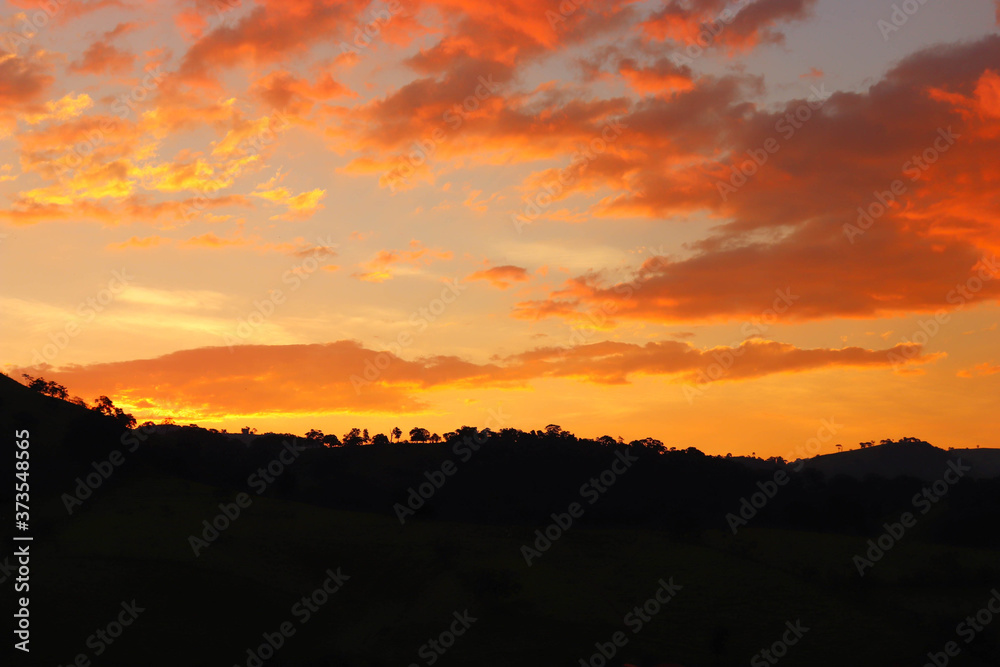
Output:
x,y
913,458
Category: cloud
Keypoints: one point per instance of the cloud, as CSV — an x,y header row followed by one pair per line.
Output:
x,y
270,33
63,109
387,263
103,58
300,206
786,225
212,240
715,23
660,78
215,382
791,278
140,243
68,10
980,370
174,299
283,91
23,81
500,277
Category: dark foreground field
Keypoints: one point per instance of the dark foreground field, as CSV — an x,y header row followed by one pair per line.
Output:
x,y
397,587
406,582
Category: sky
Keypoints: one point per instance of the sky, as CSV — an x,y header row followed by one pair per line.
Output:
x,y
750,226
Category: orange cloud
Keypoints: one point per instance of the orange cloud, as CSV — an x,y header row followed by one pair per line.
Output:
x,y
136,242
275,30
215,382
23,81
386,263
979,370
104,58
710,23
787,280
300,206
500,277
285,92
661,78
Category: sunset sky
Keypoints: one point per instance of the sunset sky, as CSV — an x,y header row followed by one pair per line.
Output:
x,y
716,224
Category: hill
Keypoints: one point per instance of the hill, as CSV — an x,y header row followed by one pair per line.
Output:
x,y
664,519
907,458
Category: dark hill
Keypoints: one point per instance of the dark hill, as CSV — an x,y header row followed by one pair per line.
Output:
x,y
916,459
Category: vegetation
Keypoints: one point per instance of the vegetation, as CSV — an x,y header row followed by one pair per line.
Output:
x,y
334,506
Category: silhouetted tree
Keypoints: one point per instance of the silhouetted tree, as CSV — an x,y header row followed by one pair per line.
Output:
x,y
353,438
315,435
418,434
649,443
53,389
103,405
331,440
435,437
397,433
380,439
365,438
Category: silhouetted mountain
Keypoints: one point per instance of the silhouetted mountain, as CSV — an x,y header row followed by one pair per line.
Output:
x,y
913,458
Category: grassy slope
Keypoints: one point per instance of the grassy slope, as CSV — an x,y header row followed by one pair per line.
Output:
x,y
131,542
